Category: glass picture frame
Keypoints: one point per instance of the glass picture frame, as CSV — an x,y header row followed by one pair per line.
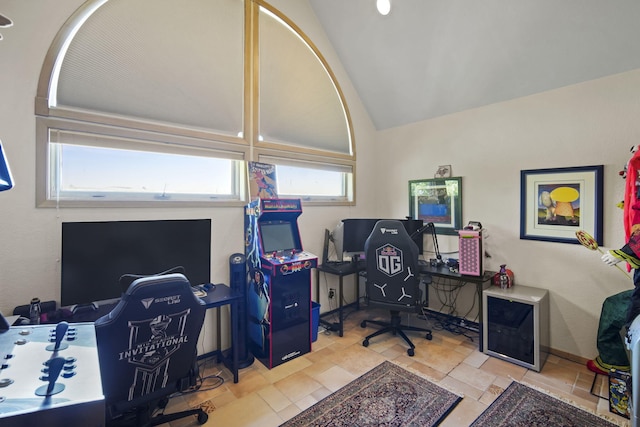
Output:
x,y
556,203
437,200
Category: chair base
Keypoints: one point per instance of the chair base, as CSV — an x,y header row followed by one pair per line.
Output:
x,y
396,328
166,418
140,417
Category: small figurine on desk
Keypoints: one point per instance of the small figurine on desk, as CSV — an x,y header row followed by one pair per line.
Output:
x,y
503,278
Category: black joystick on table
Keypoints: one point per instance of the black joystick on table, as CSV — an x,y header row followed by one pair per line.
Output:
x,y
61,330
53,372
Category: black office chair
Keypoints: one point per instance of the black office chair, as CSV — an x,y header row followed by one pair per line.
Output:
x,y
393,280
147,350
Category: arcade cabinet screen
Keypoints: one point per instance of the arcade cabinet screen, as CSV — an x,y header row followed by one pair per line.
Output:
x,y
96,254
277,236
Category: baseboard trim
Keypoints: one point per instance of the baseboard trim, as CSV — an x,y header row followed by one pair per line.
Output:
x,y
568,356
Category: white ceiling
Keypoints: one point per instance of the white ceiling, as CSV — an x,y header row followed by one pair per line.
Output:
x,y
428,58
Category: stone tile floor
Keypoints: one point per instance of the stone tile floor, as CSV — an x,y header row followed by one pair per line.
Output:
x,y
265,398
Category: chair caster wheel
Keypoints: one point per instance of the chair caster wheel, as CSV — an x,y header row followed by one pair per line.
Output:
x,y
203,417
365,343
363,324
163,403
410,352
429,336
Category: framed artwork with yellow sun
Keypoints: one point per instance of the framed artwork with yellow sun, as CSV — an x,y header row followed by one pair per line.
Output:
x,y
556,203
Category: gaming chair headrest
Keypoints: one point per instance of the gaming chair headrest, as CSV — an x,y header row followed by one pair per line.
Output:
x,y
390,231
127,279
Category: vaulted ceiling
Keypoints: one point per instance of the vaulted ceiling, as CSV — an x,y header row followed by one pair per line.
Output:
x,y
429,58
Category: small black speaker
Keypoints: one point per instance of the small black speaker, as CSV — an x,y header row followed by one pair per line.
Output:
x,y
238,268
238,282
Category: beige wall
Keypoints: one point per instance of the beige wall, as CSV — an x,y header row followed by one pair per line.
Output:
x,y
30,237
591,123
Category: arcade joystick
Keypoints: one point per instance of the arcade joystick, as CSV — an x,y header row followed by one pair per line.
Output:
x,y
55,366
61,330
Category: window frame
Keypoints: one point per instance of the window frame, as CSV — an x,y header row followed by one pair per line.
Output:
x,y
311,162
143,141
247,145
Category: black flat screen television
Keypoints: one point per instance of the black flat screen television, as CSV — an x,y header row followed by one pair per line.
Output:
x,y
96,254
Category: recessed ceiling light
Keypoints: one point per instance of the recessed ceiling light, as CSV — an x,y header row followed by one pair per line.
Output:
x,y
384,6
5,22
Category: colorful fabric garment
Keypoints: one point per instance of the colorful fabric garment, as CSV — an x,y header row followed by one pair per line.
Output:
x,y
613,318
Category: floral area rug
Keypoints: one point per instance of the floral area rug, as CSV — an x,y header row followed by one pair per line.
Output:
x,y
522,406
387,395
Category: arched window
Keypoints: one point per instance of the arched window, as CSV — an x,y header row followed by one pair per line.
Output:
x,y
157,101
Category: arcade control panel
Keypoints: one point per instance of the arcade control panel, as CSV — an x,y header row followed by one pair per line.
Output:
x,y
50,375
281,257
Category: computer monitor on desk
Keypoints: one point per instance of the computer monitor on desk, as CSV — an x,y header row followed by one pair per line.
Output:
x,y
350,235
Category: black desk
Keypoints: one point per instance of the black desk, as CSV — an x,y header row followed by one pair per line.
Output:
x,y
218,297
341,270
444,272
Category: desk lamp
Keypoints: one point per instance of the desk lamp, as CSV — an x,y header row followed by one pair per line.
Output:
x,y
432,228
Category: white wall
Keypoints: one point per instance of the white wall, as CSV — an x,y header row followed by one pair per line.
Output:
x,y
591,123
30,237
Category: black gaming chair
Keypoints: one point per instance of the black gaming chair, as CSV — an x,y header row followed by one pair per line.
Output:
x,y
393,280
147,349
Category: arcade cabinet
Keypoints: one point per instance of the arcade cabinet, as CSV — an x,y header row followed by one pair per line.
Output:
x,y
278,283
